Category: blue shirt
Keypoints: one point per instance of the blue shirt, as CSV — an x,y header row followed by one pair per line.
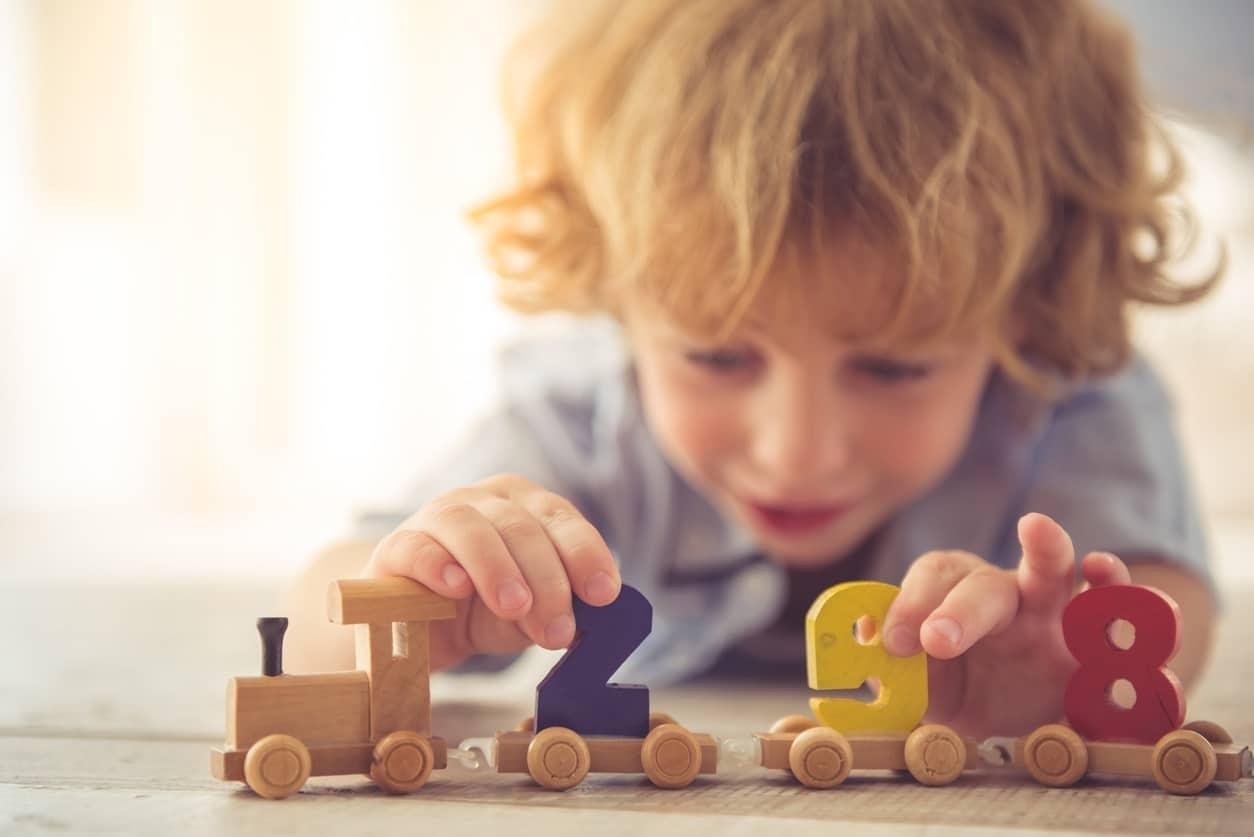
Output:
x,y
1103,461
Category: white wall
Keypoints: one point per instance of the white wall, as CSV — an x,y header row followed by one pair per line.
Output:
x,y
243,297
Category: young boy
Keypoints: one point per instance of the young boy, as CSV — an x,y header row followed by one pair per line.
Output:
x,y
870,264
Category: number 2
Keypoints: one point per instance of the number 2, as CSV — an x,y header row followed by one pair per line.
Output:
x,y
577,693
836,660
1086,624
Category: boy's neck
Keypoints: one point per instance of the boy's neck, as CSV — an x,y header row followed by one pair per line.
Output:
x,y
805,583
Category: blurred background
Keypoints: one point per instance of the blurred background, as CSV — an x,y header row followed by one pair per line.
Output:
x,y
240,301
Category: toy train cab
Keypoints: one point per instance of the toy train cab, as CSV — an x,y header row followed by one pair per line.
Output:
x,y
283,728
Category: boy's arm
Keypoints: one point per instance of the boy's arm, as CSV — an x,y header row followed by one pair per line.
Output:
x,y
314,643
1197,611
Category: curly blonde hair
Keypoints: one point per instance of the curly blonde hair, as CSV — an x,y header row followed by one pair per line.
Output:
x,y
707,156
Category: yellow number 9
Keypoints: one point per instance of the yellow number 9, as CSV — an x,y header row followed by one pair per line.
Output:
x,y
836,660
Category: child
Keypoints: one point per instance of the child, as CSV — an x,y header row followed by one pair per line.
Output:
x,y
871,262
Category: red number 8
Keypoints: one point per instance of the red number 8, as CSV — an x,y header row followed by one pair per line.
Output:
x,y
1086,623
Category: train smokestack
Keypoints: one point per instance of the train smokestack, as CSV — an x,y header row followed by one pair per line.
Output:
x,y
272,629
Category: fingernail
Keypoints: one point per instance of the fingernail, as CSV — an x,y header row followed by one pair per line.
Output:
x,y
560,631
947,628
512,595
902,641
454,576
600,589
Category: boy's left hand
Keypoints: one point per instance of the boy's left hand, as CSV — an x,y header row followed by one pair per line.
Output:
x,y
998,664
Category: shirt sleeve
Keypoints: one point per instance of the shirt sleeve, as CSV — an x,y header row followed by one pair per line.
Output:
x,y
548,428
1110,470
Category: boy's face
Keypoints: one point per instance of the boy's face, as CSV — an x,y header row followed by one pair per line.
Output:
x,y
810,444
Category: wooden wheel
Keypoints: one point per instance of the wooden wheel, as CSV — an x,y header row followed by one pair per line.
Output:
x,y
1209,730
401,762
656,719
671,756
277,766
935,754
1184,762
1056,756
527,724
820,758
557,758
793,723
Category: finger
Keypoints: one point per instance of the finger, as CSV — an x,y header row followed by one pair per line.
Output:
x,y
1101,569
983,603
551,620
468,535
1047,569
414,554
927,582
490,634
589,564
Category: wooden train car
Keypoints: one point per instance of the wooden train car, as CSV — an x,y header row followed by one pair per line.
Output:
x,y
822,757
283,728
1185,761
559,758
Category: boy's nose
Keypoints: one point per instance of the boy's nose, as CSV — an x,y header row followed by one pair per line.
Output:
x,y
801,441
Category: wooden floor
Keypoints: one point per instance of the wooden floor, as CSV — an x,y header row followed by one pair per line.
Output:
x,y
110,700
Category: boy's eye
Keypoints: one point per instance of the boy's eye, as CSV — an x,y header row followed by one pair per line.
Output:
x,y
892,371
720,360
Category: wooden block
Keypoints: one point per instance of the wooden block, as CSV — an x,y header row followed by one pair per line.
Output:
x,y
870,752
343,760
1086,624
357,601
836,660
1118,759
400,688
1232,762
577,694
610,754
318,709
775,747
511,751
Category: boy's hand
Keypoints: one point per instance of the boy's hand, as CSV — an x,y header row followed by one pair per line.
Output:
x,y
998,664
512,553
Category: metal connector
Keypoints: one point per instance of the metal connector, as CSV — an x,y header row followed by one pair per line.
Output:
x,y
739,752
475,754
997,751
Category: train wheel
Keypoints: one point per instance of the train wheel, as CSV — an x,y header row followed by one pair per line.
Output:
x,y
557,758
820,758
527,724
1209,730
277,766
656,719
401,762
1184,762
1056,756
793,723
935,754
671,756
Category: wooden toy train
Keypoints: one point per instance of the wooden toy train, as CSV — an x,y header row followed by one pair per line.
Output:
x,y
283,728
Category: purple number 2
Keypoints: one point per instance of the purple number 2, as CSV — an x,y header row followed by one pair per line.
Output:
x,y
577,693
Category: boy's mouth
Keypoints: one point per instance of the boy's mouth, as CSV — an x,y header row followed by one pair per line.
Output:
x,y
795,520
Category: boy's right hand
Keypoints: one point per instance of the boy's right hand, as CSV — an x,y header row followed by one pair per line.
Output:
x,y
512,553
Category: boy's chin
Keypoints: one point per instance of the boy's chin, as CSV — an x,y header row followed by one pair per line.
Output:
x,y
799,554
